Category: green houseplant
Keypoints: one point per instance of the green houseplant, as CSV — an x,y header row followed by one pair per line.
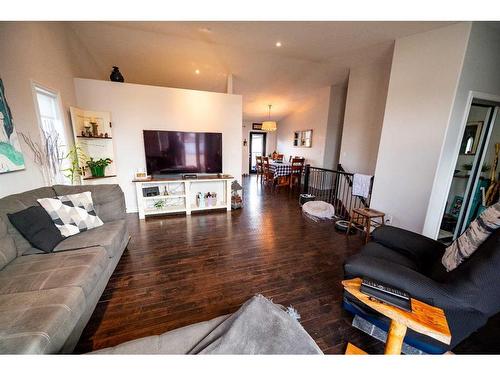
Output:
x,y
98,167
76,157
468,167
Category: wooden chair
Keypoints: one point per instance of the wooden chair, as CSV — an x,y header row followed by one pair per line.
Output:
x,y
266,170
279,157
297,168
258,168
283,181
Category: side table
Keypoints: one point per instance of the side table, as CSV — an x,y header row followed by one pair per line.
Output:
x,y
425,319
366,217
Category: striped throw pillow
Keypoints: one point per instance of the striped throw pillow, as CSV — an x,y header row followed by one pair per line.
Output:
x,y
477,232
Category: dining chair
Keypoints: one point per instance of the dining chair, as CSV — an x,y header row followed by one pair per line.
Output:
x,y
297,168
279,157
282,181
258,168
266,170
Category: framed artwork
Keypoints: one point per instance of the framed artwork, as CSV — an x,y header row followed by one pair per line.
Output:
x,y
302,138
456,205
471,138
11,155
257,126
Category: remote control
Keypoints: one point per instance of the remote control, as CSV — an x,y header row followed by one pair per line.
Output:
x,y
386,288
386,293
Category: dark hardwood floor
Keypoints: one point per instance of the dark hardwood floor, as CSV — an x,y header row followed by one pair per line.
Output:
x,y
181,270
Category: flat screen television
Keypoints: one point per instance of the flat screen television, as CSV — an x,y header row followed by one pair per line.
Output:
x,y
171,152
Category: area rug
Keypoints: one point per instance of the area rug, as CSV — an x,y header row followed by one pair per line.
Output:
x,y
258,327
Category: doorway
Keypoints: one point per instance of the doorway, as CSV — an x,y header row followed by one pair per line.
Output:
x,y
475,183
257,148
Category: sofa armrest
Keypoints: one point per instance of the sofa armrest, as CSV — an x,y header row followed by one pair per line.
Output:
x,y
416,284
420,248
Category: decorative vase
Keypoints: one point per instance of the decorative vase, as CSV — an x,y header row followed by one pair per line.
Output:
x,y
97,171
88,132
95,133
115,75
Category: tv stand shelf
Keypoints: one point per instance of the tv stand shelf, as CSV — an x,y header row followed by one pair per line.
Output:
x,y
179,195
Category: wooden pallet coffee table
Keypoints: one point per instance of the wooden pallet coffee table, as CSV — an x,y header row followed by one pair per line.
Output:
x,y
425,319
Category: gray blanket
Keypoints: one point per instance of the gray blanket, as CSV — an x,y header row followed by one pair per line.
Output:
x,y
258,327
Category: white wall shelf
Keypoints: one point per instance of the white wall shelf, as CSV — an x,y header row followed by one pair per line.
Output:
x,y
96,147
170,196
182,194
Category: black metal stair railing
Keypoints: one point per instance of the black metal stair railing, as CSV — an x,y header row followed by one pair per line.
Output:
x,y
334,187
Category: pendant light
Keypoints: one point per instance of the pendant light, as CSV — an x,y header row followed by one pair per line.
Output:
x,y
269,126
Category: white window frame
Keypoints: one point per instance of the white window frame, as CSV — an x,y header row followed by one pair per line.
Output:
x,y
50,179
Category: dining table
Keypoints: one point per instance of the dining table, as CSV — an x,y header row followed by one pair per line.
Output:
x,y
280,168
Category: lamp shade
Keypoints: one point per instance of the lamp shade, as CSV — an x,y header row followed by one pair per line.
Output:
x,y
269,126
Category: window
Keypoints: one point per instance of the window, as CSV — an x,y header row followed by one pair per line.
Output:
x,y
53,134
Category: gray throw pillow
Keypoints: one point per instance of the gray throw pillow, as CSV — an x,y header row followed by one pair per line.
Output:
x,y
73,213
477,232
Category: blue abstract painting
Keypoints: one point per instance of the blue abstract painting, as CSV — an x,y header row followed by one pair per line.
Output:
x,y
11,156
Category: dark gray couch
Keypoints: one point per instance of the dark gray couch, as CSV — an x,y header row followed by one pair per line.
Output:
x,y
469,294
47,299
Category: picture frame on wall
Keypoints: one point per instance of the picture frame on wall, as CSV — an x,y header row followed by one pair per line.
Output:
x,y
302,138
11,155
257,126
456,205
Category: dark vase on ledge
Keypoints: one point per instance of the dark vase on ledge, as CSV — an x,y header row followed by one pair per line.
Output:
x,y
115,75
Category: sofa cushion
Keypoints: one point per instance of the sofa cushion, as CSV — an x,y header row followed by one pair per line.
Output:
x,y
17,202
79,268
109,201
8,250
35,224
39,322
419,248
376,250
112,236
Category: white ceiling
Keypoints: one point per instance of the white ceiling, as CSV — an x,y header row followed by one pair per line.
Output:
x,y
313,55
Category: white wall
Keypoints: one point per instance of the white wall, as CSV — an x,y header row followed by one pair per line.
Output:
x,y
270,144
364,114
46,53
423,82
311,114
335,125
480,73
137,107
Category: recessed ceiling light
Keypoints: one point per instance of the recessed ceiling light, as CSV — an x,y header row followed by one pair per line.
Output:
x,y
278,44
197,71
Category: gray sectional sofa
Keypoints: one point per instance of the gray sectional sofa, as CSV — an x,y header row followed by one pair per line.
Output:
x,y
47,299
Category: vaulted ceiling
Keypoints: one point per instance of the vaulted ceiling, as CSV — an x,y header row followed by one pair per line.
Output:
x,y
312,55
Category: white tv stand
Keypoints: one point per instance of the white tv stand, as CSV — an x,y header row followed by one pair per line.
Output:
x,y
179,195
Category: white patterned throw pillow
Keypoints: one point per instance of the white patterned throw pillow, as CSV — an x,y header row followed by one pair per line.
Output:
x,y
73,213
477,232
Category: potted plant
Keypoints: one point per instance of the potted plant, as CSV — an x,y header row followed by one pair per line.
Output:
x,y
468,167
98,167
